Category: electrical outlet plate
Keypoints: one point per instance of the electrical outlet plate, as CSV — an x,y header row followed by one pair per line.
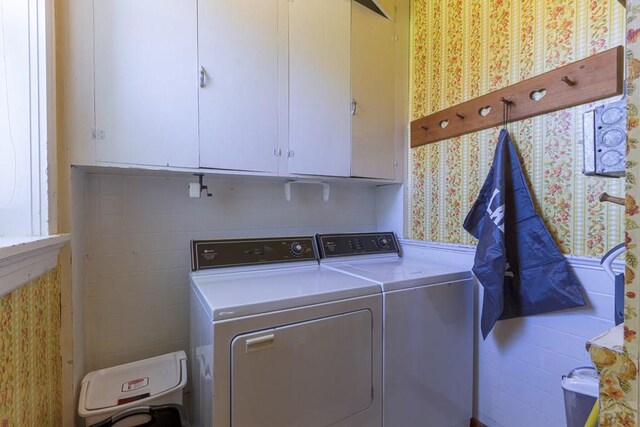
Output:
x,y
194,190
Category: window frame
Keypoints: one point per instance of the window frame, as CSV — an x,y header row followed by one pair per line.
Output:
x,y
25,255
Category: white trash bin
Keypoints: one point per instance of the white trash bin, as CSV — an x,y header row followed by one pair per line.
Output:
x,y
155,381
580,389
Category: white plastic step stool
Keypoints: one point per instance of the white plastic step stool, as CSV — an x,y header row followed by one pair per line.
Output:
x,y
155,381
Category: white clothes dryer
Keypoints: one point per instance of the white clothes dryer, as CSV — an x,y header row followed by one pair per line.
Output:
x,y
427,328
277,341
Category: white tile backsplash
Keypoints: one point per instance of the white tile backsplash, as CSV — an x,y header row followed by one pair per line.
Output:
x,y
138,230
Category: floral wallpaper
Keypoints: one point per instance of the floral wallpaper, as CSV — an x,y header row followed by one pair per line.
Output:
x,y
30,361
464,48
618,385
618,367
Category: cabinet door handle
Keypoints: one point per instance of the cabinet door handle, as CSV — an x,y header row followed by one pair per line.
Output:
x,y
203,77
354,107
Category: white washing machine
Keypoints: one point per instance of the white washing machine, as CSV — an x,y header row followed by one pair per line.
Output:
x,y
428,328
277,341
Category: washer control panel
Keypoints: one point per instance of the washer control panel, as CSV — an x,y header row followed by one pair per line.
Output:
x,y
216,253
335,245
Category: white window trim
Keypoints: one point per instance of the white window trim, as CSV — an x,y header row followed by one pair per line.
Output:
x,y
22,259
43,116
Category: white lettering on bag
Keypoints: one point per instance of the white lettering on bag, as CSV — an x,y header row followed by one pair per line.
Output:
x,y
508,271
497,215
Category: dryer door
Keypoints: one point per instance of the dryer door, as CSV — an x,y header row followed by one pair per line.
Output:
x,y
313,373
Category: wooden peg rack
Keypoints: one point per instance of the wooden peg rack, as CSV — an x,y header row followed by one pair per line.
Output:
x,y
596,77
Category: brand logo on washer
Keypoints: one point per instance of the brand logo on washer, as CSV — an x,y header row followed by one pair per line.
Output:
x,y
136,384
209,254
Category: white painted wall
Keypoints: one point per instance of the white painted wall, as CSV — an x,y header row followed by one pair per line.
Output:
x,y
519,367
389,208
138,230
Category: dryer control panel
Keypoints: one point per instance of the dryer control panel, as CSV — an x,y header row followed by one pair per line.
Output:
x,y
335,245
218,253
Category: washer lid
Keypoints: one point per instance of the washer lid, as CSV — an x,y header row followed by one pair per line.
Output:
x,y
237,294
119,385
401,273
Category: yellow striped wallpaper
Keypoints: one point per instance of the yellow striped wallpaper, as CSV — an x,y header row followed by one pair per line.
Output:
x,y
30,361
464,48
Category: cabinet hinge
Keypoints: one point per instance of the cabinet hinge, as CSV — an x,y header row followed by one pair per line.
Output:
x,y
97,134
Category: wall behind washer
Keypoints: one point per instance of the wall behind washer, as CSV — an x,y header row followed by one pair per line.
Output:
x,y
137,232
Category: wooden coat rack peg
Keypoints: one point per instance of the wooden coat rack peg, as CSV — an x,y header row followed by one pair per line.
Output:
x,y
596,77
604,197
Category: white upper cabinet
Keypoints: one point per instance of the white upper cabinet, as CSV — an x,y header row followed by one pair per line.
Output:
x,y
267,87
341,90
146,86
320,87
373,90
238,59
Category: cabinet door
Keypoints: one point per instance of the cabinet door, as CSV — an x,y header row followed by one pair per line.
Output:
x,y
146,86
238,52
320,87
373,89
311,374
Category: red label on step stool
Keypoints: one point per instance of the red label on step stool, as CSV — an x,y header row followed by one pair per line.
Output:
x,y
135,384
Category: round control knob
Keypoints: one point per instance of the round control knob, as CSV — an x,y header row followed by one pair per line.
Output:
x,y
297,249
383,242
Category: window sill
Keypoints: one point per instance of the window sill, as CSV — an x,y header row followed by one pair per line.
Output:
x,y
22,259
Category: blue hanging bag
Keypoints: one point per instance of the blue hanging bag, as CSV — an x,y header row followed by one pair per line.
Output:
x,y
517,261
